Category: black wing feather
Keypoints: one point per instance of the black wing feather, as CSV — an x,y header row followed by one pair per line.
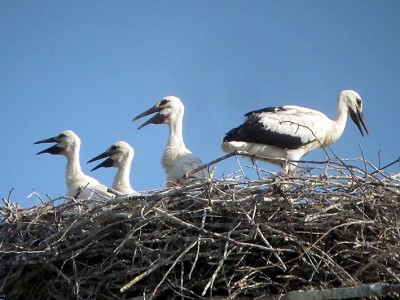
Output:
x,y
252,130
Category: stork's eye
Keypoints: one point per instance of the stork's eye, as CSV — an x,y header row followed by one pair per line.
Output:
x,y
113,148
163,102
358,101
61,135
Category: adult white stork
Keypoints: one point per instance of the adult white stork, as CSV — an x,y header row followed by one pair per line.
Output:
x,y
283,135
79,185
177,160
120,155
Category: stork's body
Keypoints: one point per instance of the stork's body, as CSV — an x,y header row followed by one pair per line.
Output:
x,y
177,160
283,135
120,155
79,185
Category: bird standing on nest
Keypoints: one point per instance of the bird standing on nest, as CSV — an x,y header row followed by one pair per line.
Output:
x,y
120,155
283,135
177,160
79,185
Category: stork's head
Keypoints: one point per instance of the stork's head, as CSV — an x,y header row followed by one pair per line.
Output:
x,y
354,104
65,142
169,110
118,153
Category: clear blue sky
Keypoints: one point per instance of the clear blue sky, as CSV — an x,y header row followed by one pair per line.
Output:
x,y
91,66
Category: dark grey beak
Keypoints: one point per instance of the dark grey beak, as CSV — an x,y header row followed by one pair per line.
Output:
x,y
157,119
46,141
358,119
51,150
105,164
108,163
151,110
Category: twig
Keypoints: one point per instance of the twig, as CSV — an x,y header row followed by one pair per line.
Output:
x,y
205,166
171,267
387,166
140,277
220,264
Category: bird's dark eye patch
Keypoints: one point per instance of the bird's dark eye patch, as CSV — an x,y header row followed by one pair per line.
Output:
x,y
163,102
114,147
62,135
358,101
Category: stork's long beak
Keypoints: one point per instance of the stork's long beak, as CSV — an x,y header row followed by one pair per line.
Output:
x,y
46,141
105,164
358,119
156,119
51,150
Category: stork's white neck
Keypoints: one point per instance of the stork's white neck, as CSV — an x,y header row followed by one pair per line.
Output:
x,y
175,139
121,179
175,147
338,124
73,169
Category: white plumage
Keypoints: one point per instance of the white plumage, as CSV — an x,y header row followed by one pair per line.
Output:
x,y
282,135
120,155
79,185
177,160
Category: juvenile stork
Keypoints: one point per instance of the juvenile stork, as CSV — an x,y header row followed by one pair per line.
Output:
x,y
177,160
79,185
283,135
120,155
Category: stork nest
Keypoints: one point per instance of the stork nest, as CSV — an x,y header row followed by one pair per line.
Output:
x,y
230,238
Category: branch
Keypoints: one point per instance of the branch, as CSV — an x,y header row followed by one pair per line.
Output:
x,y
345,293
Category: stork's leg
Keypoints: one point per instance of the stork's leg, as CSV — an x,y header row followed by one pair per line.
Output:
x,y
285,167
292,166
293,160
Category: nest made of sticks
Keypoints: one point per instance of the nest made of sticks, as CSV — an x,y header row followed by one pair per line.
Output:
x,y
337,227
